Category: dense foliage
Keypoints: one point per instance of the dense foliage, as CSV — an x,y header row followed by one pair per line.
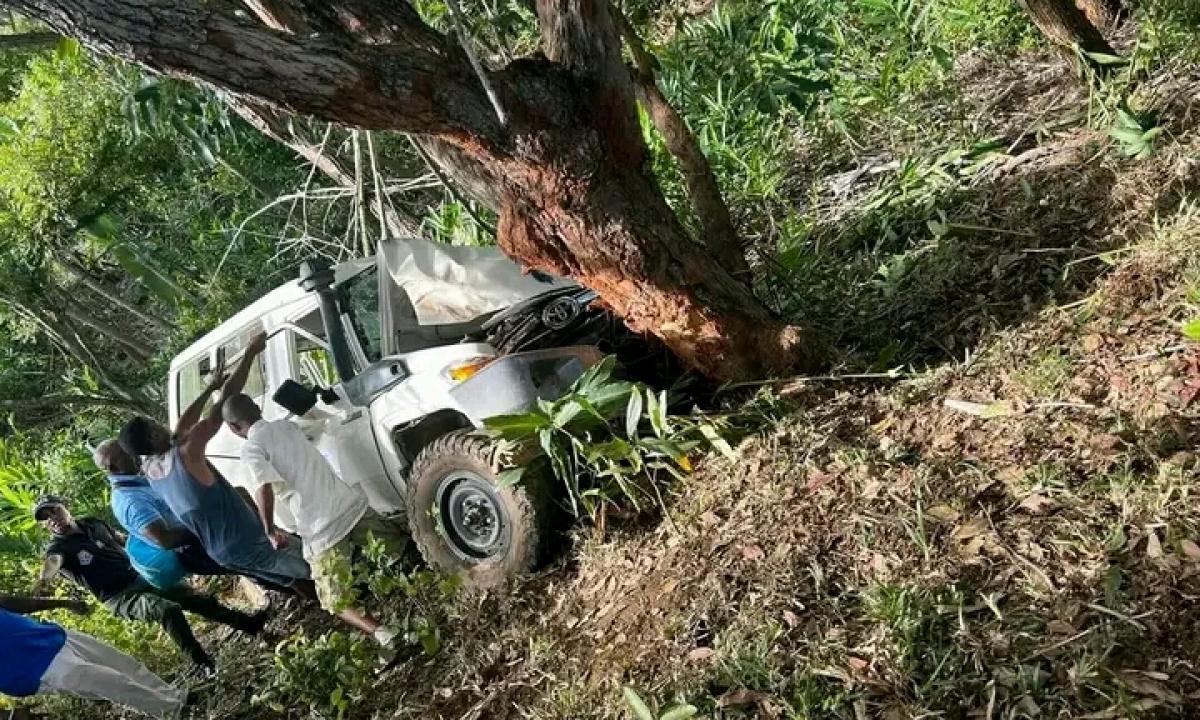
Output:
x,y
853,140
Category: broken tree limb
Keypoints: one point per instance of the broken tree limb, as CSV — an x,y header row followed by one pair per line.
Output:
x,y
716,224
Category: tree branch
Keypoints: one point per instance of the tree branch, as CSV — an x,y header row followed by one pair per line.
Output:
x,y
80,273
410,87
28,41
285,131
581,36
716,225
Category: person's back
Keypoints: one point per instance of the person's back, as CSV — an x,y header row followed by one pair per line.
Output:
x,y
136,505
204,501
216,514
325,507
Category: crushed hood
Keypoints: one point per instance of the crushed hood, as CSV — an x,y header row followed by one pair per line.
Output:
x,y
452,284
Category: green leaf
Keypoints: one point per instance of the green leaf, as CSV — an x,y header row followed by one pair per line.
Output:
x,y
714,438
596,375
680,712
155,283
1191,330
640,709
633,414
430,642
517,427
509,478
1106,58
610,398
68,49
566,412
1127,134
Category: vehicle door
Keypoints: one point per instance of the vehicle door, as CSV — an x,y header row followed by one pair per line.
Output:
x,y
343,433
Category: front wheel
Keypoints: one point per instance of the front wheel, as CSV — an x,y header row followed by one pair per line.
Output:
x,y
464,523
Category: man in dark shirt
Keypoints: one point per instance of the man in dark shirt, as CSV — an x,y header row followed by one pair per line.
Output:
x,y
90,554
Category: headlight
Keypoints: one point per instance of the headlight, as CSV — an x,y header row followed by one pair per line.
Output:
x,y
461,371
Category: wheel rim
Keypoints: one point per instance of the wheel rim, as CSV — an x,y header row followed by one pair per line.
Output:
x,y
473,520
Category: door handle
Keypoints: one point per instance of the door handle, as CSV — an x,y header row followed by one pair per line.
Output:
x,y
352,417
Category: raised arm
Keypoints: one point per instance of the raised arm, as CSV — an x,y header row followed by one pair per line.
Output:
x,y
191,415
204,430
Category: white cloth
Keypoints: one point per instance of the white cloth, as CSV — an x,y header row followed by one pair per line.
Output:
x,y
87,668
326,509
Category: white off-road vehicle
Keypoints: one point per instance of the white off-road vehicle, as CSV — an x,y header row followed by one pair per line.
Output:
x,y
392,366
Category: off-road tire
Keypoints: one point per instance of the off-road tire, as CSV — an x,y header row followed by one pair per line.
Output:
x,y
528,505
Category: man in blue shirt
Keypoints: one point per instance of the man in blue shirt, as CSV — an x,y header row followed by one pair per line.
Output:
x,y
43,658
140,510
206,503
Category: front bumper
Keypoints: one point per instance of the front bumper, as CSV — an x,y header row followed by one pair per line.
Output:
x,y
514,383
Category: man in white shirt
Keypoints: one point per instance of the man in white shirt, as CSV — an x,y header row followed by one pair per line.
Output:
x,y
332,516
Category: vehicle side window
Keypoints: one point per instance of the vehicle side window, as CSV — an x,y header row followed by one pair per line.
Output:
x,y
360,300
313,363
256,384
191,381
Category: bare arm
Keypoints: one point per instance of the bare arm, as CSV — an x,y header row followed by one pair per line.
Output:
x,y
27,605
165,537
191,415
264,497
204,430
51,566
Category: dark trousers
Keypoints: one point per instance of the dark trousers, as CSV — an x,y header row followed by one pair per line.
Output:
x,y
140,601
196,561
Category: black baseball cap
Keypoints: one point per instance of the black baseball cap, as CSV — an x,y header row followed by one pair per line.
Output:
x,y
46,502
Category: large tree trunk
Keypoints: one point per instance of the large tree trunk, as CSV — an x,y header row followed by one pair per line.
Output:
x,y
1105,15
574,192
1067,26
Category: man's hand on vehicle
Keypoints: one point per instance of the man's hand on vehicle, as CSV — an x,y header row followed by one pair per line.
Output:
x,y
218,377
257,344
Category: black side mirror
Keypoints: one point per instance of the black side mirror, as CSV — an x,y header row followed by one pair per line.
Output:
x,y
295,398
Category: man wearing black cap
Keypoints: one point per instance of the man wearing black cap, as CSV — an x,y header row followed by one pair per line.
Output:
x,y
89,553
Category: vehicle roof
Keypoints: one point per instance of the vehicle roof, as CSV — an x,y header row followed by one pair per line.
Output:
x,y
274,301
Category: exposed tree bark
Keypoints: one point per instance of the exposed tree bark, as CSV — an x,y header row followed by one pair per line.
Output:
x,y
569,166
716,224
28,41
1067,26
80,273
1104,14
